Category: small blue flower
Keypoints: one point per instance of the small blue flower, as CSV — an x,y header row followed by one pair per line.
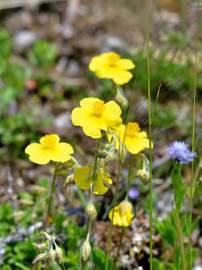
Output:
x,y
180,151
133,193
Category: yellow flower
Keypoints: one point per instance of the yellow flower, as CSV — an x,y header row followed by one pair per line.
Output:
x,y
83,178
122,214
111,66
49,149
134,139
94,115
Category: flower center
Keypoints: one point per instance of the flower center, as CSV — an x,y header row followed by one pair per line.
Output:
x,y
97,108
112,64
132,129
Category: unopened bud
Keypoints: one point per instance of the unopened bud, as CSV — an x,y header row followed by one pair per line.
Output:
x,y
69,179
40,258
85,250
58,254
120,97
91,211
40,246
52,254
143,175
55,254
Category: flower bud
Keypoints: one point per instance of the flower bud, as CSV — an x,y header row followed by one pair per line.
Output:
x,y
120,97
85,250
143,175
69,179
58,254
40,246
91,211
52,255
40,258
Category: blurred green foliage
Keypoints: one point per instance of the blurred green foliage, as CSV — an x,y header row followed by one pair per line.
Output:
x,y
172,76
6,44
31,208
19,122
43,54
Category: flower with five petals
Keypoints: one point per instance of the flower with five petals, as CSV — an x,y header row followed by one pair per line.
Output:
x,y
48,149
132,137
94,116
111,66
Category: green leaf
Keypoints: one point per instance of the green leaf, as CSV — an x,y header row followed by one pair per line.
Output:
x,y
21,266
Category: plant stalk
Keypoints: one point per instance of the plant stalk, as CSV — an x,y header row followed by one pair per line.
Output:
x,y
51,197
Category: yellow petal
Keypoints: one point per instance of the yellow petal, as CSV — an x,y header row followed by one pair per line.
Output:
x,y
101,183
49,140
62,152
37,154
87,103
79,117
103,60
32,147
95,63
136,145
105,72
122,214
110,56
126,64
112,107
92,131
122,77
39,159
82,177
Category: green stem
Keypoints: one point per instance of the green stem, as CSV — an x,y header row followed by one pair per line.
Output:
x,y
51,197
129,178
193,148
120,243
114,202
122,228
115,199
150,131
181,241
89,222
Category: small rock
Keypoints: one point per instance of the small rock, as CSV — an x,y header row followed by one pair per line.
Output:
x,y
24,39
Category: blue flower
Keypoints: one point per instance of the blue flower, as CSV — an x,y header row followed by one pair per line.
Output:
x,y
133,193
180,151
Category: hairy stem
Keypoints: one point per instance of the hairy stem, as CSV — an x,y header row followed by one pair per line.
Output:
x,y
181,241
193,148
89,223
115,200
150,128
51,197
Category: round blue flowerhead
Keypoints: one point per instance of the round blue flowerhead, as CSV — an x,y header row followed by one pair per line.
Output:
x,y
180,151
133,193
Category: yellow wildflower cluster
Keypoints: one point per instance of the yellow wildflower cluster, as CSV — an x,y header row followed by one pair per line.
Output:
x,y
96,117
